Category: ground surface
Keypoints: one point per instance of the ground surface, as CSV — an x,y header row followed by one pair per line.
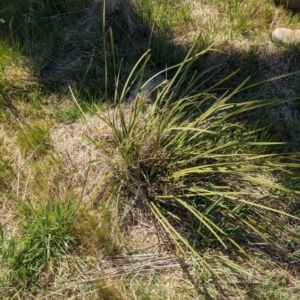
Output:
x,y
46,150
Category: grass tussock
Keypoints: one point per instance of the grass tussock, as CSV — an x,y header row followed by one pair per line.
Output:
x,y
204,177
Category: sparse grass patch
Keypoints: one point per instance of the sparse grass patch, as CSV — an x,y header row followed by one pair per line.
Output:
x,y
165,16
6,169
33,140
108,291
98,231
274,287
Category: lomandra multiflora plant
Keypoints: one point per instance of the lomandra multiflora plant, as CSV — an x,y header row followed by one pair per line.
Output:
x,y
199,163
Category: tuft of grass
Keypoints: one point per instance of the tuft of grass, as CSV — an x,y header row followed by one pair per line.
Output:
x,y
205,172
47,233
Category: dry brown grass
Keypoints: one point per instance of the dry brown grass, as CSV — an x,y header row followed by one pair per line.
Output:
x,y
10,152
81,158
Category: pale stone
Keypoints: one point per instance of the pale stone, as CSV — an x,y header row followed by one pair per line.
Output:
x,y
291,3
286,36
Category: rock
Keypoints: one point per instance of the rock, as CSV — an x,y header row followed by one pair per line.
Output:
x,y
286,36
291,3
